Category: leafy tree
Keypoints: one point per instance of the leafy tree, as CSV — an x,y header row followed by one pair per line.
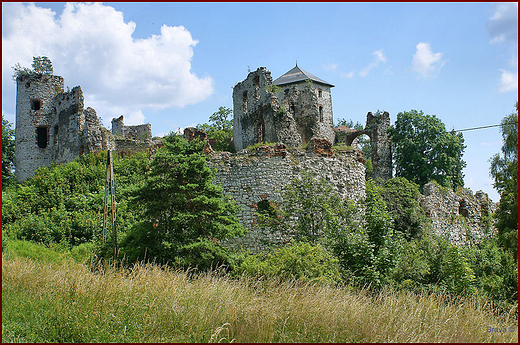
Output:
x,y
402,201
185,213
220,129
41,65
8,143
425,151
504,169
310,210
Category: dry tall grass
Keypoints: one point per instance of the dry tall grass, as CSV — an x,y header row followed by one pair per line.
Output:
x,y
68,303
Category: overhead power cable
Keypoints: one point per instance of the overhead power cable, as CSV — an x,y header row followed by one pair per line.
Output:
x,y
475,128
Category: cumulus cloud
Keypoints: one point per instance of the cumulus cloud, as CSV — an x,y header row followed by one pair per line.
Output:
x,y
379,58
508,81
503,23
91,45
425,62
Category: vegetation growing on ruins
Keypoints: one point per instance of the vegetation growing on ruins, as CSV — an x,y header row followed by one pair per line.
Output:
x,y
373,268
41,65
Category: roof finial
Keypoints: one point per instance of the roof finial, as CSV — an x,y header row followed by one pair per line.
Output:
x,y
296,63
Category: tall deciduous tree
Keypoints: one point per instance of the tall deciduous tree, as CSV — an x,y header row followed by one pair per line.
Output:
x,y
7,152
220,129
504,169
425,151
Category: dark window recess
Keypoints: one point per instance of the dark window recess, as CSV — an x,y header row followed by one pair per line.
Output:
x,y
293,108
42,137
256,80
321,114
267,208
319,93
36,104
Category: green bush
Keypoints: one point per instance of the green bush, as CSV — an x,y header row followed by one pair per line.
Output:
x,y
296,261
402,200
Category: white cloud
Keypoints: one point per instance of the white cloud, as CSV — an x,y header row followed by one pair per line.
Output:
x,y
330,67
379,58
91,45
508,81
425,62
503,24
348,75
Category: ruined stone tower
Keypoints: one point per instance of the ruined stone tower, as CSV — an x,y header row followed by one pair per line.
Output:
x,y
52,125
34,133
293,109
377,129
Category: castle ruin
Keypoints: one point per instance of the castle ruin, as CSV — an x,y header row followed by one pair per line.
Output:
x,y
290,118
54,126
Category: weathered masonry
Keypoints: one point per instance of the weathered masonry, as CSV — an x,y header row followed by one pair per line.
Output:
x,y
293,109
256,178
54,126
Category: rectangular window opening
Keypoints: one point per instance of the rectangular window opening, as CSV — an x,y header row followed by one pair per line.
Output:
x,y
42,137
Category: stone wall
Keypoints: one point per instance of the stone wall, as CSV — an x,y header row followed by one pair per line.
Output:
x,y
463,217
251,177
136,132
292,114
35,118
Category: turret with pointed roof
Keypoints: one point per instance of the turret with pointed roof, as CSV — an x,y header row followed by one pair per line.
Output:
x,y
290,110
296,75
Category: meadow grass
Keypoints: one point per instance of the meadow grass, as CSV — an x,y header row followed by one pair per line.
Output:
x,y
65,301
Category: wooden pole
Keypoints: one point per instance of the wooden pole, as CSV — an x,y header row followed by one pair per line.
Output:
x,y
113,195
110,187
105,212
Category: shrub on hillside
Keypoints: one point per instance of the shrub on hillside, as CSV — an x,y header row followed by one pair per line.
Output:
x,y
296,261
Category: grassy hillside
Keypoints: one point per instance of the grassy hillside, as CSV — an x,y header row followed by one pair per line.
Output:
x,y
53,298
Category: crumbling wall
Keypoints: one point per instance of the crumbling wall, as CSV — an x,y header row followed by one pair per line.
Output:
x,y
377,127
463,217
71,122
252,177
292,114
136,132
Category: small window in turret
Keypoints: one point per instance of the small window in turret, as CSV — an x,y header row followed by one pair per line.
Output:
x,y
36,104
321,113
319,93
42,136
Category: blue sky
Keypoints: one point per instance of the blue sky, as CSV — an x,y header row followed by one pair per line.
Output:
x,y
174,64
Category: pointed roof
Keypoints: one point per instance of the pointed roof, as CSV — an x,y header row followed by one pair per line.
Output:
x,y
296,75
